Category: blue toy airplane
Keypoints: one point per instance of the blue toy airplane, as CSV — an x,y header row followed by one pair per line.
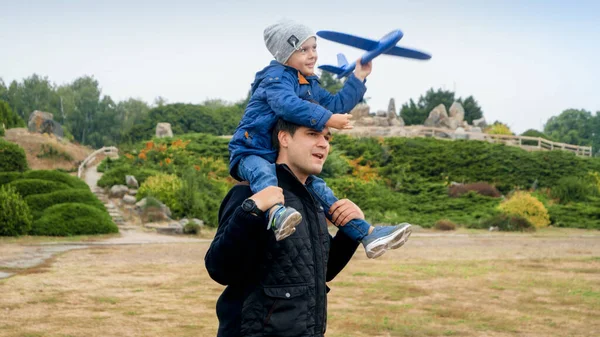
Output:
x,y
386,45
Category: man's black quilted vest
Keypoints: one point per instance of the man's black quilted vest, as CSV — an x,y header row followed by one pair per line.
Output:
x,y
289,298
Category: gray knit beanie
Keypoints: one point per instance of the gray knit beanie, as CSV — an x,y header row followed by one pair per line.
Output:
x,y
285,37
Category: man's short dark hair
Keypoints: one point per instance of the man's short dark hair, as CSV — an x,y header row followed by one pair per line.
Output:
x,y
283,126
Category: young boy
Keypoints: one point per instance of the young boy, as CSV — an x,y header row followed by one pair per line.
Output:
x,y
288,89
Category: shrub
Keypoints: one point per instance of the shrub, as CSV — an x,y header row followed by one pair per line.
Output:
x,y
57,176
528,207
573,189
2,133
498,129
51,152
15,217
595,177
27,187
39,202
7,177
200,196
191,228
336,165
576,215
482,188
73,219
165,188
444,225
116,176
509,223
536,134
13,157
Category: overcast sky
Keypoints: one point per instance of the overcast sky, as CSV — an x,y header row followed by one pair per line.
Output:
x,y
523,61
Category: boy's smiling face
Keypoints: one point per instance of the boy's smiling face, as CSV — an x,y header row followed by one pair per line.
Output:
x,y
304,60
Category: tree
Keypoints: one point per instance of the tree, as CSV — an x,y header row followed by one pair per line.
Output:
x,y
572,126
8,117
472,109
413,113
330,83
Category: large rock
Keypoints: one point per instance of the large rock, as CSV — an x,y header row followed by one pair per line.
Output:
x,y
480,122
131,182
43,122
392,108
118,191
436,115
163,130
361,110
457,112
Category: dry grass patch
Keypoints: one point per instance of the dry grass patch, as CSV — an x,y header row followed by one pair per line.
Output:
x,y
454,285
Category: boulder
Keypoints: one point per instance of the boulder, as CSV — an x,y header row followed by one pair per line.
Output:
x,y
163,130
132,182
457,112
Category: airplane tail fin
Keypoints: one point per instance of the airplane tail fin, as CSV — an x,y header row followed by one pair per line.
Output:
x,y
341,60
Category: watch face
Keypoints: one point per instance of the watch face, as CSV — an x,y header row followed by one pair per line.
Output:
x,y
248,205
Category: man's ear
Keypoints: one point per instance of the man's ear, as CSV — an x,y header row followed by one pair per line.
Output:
x,y
283,137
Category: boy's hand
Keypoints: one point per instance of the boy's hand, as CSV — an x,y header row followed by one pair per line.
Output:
x,y
268,198
362,71
339,121
344,210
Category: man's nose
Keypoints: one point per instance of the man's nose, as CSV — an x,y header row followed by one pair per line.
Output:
x,y
323,142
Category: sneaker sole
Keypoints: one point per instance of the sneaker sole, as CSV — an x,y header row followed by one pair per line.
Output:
x,y
288,227
395,240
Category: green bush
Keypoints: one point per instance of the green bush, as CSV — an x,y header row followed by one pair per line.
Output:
x,y
336,165
116,176
573,189
57,176
39,202
13,157
509,223
576,215
2,132
26,187
73,219
165,188
7,177
15,217
200,197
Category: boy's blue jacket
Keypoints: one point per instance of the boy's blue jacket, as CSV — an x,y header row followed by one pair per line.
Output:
x,y
280,91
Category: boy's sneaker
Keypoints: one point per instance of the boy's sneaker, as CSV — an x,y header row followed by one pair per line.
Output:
x,y
284,221
384,238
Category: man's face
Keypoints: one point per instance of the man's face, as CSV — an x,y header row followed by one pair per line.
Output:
x,y
307,151
304,59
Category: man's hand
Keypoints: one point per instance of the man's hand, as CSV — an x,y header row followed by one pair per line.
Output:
x,y
268,198
344,210
339,121
363,70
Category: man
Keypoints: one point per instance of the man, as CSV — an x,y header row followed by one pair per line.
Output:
x,y
277,288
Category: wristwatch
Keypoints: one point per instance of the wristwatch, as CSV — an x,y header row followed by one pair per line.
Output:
x,y
250,206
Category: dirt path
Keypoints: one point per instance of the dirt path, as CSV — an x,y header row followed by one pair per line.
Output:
x,y
15,258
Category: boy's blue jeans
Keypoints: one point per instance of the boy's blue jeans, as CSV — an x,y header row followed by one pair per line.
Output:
x,y
261,174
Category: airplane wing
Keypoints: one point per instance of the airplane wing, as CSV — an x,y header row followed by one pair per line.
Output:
x,y
410,53
332,69
347,39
